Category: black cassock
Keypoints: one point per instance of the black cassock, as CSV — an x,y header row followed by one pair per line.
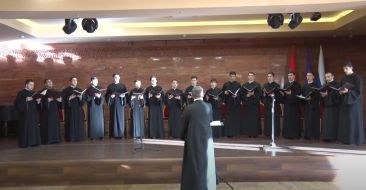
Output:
x,y
74,115
330,120
116,109
311,111
175,111
137,113
291,112
188,91
50,119
28,124
350,113
155,105
198,169
251,116
95,113
215,99
271,88
232,102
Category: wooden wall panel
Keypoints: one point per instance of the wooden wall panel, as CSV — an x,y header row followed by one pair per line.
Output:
x,y
177,61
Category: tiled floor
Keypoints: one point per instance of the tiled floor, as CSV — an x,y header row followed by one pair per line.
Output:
x,y
237,186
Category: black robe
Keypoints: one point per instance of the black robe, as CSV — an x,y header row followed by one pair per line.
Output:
x,y
116,109
137,113
291,112
217,131
251,117
232,115
28,124
330,118
95,114
351,129
311,111
155,105
267,100
198,169
175,111
74,115
187,92
50,120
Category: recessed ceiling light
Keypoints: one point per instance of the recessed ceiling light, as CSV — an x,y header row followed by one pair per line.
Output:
x,y
197,58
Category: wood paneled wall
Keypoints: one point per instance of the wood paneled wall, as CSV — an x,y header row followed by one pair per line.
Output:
x,y
179,59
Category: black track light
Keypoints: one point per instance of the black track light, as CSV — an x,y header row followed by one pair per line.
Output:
x,y
70,26
275,20
295,21
89,24
316,16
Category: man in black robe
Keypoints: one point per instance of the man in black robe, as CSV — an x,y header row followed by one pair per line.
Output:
x,y
26,103
174,103
291,113
154,101
74,113
198,169
214,96
270,91
251,99
137,104
330,101
311,100
188,93
116,100
95,101
351,129
51,105
232,102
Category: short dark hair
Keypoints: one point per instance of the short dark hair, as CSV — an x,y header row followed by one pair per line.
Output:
x,y
73,77
213,80
251,73
271,73
232,73
310,73
45,80
152,76
114,74
28,81
329,73
194,77
348,64
92,78
291,72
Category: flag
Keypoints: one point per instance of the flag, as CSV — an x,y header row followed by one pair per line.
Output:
x,y
321,69
308,68
292,65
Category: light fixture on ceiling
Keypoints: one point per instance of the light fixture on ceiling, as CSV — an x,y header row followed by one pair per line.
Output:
x,y
89,24
316,16
295,21
70,26
275,20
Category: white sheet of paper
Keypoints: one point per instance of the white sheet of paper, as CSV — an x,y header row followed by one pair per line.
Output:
x,y
216,123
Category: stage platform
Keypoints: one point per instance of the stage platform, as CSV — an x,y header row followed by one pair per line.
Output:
x,y
115,162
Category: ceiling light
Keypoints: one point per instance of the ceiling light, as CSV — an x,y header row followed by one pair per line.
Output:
x,y
89,24
275,20
316,16
296,20
70,26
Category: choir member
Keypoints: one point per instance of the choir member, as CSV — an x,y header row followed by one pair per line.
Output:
x,y
291,113
351,129
270,91
214,96
137,104
26,103
251,99
198,168
174,103
188,93
116,100
74,113
311,100
51,105
330,100
154,101
95,101
231,100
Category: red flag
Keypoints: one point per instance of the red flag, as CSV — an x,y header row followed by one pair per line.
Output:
x,y
292,65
